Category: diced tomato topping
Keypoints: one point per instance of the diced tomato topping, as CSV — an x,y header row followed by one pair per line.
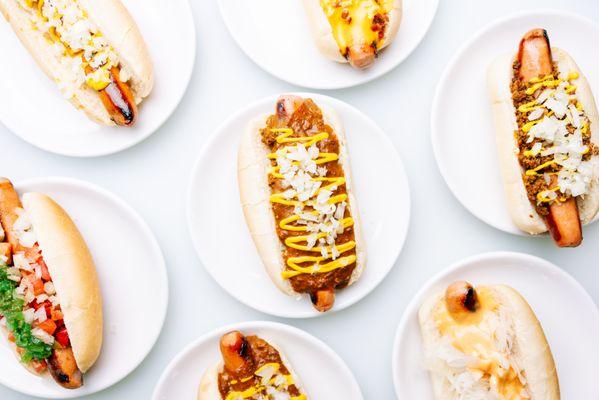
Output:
x,y
48,326
45,272
62,337
38,366
34,255
11,337
37,284
48,307
56,315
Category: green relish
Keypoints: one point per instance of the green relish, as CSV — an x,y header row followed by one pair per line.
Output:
x,y
11,308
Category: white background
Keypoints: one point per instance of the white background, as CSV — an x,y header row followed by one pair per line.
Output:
x,y
153,178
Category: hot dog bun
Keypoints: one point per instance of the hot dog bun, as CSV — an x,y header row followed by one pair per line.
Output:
x,y
253,168
72,269
516,335
208,389
116,25
522,211
324,38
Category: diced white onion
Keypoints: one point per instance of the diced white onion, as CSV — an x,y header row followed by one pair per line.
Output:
x,y
40,315
43,336
49,288
29,315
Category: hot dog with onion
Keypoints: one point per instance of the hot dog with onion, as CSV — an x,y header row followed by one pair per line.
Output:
x,y
486,343
297,197
353,31
546,121
253,369
93,50
50,302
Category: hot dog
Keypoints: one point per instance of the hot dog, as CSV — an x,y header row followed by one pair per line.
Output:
x,y
353,31
251,369
546,118
297,197
50,302
93,50
486,342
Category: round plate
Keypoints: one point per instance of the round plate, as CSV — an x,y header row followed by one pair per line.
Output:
x,y
132,277
182,377
293,56
37,113
222,240
566,312
463,134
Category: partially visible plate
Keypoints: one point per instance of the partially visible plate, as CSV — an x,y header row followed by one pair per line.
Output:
x,y
463,134
322,372
32,107
133,280
275,34
567,313
224,244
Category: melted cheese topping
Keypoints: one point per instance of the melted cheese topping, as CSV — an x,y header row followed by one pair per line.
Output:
x,y
65,23
477,338
298,165
352,21
273,385
559,127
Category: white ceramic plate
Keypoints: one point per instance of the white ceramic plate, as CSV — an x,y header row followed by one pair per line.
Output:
x,y
313,361
463,134
275,34
567,313
219,231
132,277
32,107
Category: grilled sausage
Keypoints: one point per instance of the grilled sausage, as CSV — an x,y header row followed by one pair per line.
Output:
x,y
235,351
361,56
323,300
119,100
63,368
461,299
534,56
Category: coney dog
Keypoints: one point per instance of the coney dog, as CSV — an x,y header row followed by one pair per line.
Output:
x,y
50,302
93,50
546,121
251,369
353,31
297,198
486,343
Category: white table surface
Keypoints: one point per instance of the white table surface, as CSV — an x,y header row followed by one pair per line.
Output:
x,y
153,178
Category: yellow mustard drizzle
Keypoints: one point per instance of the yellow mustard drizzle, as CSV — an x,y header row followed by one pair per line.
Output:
x,y
542,196
100,78
252,391
537,83
351,21
300,242
470,336
534,171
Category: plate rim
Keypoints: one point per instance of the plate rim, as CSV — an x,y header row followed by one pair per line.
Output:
x,y
218,132
443,82
161,264
362,81
90,153
416,300
252,325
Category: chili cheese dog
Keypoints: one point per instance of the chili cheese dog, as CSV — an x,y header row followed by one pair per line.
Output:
x,y
50,302
353,31
93,50
251,369
486,343
297,197
546,121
